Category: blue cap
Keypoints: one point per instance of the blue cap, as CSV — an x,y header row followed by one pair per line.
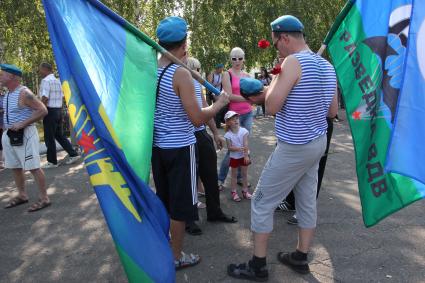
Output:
x,y
250,86
218,66
12,69
287,23
171,29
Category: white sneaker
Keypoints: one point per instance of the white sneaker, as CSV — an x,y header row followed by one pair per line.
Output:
x,y
49,165
72,159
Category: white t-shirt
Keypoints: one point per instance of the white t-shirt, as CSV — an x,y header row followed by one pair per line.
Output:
x,y
236,139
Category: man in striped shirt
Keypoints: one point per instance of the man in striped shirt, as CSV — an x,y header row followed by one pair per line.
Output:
x,y
52,96
174,153
22,109
301,97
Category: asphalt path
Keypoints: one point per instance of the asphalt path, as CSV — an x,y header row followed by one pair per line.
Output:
x,y
70,242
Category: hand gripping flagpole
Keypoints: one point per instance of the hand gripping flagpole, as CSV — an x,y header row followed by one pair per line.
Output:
x,y
152,43
341,16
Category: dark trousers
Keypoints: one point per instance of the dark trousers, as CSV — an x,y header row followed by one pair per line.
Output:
x,y
52,124
207,168
322,164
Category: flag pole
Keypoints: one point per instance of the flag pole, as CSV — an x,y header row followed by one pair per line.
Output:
x,y
341,16
123,22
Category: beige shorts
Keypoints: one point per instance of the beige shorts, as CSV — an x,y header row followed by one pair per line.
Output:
x,y
26,156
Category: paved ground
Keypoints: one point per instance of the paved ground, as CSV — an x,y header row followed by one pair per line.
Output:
x,y
69,241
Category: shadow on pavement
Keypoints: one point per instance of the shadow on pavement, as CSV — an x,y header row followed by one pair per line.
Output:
x,y
69,241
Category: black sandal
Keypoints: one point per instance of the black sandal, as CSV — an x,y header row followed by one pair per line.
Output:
x,y
244,271
300,266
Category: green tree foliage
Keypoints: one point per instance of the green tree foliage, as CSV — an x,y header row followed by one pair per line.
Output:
x,y
216,27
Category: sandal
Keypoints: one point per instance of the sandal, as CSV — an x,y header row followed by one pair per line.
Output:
x,y
15,202
187,260
300,266
246,194
235,197
244,271
39,205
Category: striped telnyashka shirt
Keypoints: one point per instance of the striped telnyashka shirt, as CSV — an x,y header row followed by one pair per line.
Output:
x,y
172,127
12,110
198,92
303,115
51,88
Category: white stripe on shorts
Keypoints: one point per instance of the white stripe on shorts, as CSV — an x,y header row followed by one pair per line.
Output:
x,y
193,174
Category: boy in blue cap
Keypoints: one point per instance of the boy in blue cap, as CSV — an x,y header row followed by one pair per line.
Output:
x,y
301,97
174,152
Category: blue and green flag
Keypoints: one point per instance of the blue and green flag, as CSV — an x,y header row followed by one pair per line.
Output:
x,y
108,73
377,48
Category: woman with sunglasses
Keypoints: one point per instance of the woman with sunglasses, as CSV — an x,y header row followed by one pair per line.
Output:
x,y
237,103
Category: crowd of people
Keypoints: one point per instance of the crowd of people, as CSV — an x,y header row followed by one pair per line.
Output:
x,y
302,98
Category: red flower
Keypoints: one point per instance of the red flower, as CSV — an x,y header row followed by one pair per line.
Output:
x,y
263,43
276,70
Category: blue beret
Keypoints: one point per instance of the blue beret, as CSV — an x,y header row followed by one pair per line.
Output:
x,y
250,86
287,23
12,69
171,29
219,66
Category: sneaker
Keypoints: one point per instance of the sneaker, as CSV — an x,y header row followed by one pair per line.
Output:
x,y
72,159
293,220
49,165
285,206
187,260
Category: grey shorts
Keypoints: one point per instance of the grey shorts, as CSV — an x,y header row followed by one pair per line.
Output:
x,y
289,167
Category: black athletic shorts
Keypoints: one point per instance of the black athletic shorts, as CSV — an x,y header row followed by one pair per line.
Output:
x,y
175,176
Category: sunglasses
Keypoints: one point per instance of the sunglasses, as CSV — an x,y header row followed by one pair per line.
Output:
x,y
237,59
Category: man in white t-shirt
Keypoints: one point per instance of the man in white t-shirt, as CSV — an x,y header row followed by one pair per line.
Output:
x,y
52,96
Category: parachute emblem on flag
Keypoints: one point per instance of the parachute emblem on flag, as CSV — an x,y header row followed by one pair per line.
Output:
x,y
390,50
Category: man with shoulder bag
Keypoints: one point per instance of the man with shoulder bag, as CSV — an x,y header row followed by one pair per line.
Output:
x,y
20,139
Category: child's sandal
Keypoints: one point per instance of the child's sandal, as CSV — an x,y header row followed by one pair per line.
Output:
x,y
246,194
235,197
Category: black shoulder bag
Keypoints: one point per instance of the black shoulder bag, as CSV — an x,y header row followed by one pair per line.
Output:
x,y
16,137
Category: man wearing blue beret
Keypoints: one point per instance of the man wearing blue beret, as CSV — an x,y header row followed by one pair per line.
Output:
x,y
174,153
301,97
20,140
